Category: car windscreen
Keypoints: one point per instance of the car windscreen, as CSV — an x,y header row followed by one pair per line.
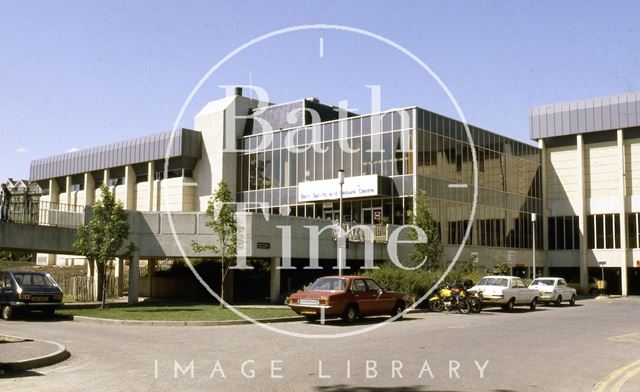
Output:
x,y
28,279
494,282
543,282
330,284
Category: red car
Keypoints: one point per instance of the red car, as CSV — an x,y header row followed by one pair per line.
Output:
x,y
348,297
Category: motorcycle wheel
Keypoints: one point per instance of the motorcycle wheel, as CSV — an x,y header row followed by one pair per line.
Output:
x,y
476,305
463,306
436,306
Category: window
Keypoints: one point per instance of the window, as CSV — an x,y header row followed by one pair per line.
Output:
x,y
373,286
632,230
603,231
457,230
564,233
358,286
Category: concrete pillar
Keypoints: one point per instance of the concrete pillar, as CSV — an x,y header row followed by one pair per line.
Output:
x,y
54,192
67,186
134,275
582,214
119,274
274,296
228,287
543,218
151,273
150,179
623,214
89,189
130,188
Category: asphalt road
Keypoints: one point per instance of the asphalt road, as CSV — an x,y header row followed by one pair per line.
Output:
x,y
592,346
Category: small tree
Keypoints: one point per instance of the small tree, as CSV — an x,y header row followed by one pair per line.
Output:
x,y
423,219
103,237
221,216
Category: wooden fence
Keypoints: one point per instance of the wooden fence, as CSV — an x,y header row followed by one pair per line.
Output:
x,y
81,288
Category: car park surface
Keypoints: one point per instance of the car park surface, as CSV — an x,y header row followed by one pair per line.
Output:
x,y
130,358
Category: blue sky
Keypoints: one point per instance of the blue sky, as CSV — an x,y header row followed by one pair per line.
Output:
x,y
76,74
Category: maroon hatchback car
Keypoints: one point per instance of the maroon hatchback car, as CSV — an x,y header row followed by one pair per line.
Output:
x,y
348,297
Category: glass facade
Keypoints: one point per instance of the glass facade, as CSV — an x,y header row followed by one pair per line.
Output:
x,y
416,149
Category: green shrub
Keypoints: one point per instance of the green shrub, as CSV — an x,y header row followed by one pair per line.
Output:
x,y
416,283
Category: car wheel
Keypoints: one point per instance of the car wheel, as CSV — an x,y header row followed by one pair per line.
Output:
x,y
350,314
397,310
533,304
508,307
436,306
7,312
559,300
572,301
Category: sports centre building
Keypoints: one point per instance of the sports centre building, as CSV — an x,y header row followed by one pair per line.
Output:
x,y
577,190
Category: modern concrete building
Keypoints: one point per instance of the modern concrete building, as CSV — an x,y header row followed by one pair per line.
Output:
x,y
284,159
591,180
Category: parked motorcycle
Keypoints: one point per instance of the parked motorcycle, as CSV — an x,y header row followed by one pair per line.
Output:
x,y
474,297
450,296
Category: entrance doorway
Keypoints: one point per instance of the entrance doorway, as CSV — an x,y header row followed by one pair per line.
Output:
x,y
371,215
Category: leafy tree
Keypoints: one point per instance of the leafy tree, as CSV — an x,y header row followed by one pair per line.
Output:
x,y
221,216
103,237
423,219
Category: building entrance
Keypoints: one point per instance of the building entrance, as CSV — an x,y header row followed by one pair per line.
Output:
x,y
371,216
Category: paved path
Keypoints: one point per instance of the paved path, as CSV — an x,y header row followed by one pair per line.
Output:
x,y
593,345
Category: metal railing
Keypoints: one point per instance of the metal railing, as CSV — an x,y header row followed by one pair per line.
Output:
x,y
46,213
364,233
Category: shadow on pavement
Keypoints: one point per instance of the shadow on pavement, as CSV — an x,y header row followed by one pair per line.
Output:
x,y
350,388
35,316
21,374
365,321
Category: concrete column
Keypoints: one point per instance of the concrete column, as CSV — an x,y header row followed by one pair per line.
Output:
x,y
228,287
67,186
543,218
134,275
54,192
151,273
582,213
151,169
274,296
130,188
623,214
119,274
89,189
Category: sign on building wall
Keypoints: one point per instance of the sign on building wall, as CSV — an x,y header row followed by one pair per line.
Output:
x,y
361,186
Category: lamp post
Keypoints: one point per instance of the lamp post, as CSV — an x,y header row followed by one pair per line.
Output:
x,y
533,221
340,239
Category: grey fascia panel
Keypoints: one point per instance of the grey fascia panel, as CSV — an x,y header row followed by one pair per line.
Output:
x,y
128,152
588,115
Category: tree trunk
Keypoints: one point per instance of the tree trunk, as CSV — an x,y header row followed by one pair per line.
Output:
x,y
100,271
222,276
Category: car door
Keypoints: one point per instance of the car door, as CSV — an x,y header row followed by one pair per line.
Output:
x,y
6,288
520,290
2,284
382,302
564,290
363,297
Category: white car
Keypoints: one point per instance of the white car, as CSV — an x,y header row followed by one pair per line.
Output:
x,y
553,290
506,291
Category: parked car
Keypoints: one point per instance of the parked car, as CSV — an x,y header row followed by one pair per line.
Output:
x,y
505,291
28,290
553,290
593,285
348,297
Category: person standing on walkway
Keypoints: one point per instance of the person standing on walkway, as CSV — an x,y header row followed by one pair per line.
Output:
x,y
5,203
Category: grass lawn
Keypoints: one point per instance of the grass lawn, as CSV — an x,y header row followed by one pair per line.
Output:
x,y
181,312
